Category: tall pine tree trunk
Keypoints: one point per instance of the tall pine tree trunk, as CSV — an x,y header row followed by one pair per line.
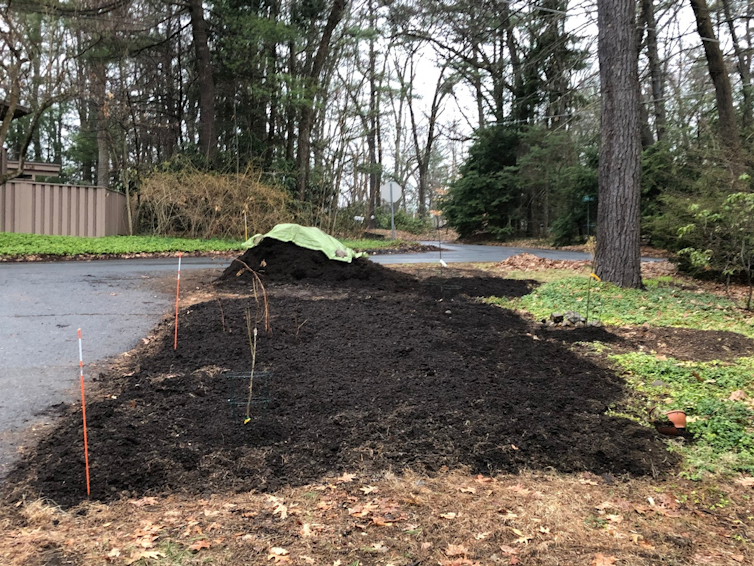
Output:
x,y
618,258
720,79
205,80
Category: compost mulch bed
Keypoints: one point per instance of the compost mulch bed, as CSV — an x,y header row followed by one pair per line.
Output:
x,y
686,344
370,370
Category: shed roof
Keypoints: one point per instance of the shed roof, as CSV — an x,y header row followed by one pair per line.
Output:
x,y
19,111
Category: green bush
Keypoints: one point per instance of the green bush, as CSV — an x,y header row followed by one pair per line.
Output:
x,y
403,221
486,198
525,182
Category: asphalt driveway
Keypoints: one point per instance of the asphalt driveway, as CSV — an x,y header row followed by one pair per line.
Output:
x,y
115,303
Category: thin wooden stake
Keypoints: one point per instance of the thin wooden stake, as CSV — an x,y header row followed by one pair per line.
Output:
x,y
253,347
177,295
83,413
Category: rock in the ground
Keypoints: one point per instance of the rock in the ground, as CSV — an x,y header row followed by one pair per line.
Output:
x,y
573,317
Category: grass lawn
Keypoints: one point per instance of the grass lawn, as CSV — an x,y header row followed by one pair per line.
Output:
x,y
662,303
27,245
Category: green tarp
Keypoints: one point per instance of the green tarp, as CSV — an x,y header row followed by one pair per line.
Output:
x,y
307,237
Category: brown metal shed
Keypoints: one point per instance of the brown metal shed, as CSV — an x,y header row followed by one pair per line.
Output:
x,y
29,207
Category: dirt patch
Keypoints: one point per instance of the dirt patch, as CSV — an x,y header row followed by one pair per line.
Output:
x,y
531,262
276,261
281,262
646,251
402,248
361,379
680,343
445,234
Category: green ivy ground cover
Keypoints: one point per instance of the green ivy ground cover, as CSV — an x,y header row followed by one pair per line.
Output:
x,y
21,245
661,304
717,398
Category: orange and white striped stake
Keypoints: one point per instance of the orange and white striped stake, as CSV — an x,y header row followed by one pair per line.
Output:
x,y
177,295
83,412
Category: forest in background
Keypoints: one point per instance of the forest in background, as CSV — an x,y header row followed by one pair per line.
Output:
x,y
487,110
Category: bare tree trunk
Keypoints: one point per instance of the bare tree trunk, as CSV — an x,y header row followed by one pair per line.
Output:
x,y
424,152
743,68
290,124
720,79
518,108
103,150
205,80
307,109
618,258
271,49
372,123
655,69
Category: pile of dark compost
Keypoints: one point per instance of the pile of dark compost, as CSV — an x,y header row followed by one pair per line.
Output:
x,y
275,261
361,380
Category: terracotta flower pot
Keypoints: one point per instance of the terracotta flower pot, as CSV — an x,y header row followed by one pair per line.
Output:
x,y
678,418
668,430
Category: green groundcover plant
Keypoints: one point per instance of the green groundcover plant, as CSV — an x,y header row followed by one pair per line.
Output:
x,y
717,398
18,245
24,245
660,304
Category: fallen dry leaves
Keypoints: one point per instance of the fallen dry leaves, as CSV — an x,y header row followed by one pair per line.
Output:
x,y
510,520
278,554
200,544
456,550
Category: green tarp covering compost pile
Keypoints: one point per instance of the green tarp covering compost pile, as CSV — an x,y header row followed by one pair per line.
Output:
x,y
307,237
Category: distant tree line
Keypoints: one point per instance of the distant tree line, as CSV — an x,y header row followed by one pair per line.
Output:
x,y
488,110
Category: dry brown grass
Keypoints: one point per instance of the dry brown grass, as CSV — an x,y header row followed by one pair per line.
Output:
x,y
446,235
211,205
451,519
